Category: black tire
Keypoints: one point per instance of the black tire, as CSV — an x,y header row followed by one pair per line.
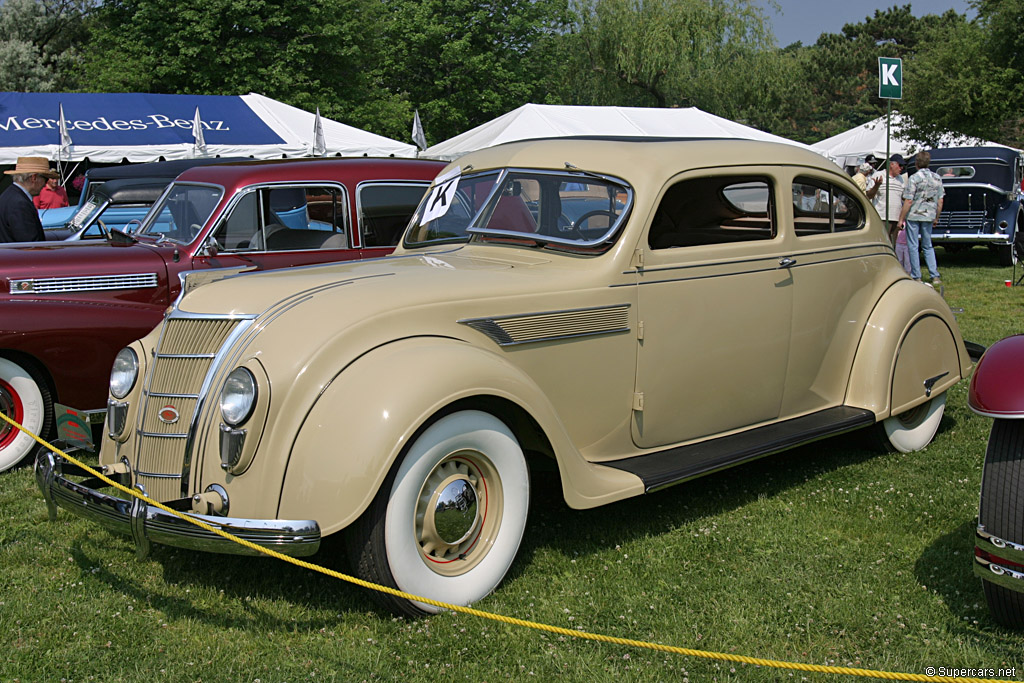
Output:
x,y
408,540
1007,254
1002,510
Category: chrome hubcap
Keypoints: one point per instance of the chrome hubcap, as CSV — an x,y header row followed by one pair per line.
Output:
x,y
455,516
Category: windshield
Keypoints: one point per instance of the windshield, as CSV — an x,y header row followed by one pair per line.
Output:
x,y
524,206
182,212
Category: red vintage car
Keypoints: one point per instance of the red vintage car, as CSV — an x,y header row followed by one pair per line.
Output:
x,y
67,308
997,391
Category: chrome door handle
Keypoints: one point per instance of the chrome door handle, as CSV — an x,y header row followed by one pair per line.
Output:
x,y
786,262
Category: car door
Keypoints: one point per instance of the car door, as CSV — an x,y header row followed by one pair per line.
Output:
x,y
837,279
715,308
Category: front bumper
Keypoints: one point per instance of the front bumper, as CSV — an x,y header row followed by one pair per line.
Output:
x,y
998,561
147,524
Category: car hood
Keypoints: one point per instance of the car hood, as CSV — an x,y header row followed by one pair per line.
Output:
x,y
77,259
365,288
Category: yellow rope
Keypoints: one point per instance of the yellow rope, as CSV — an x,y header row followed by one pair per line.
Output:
x,y
721,656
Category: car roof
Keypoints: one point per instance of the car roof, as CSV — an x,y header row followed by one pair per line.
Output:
x,y
352,169
975,154
155,169
641,159
133,190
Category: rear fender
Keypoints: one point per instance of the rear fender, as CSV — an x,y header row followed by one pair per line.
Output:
x,y
360,424
911,350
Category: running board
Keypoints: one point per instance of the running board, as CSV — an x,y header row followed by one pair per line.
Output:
x,y
675,465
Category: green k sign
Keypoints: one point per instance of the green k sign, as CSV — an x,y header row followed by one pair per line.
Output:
x,y
890,78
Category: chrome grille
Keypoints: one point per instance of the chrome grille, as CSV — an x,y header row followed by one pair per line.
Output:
x,y
534,327
182,363
57,285
973,221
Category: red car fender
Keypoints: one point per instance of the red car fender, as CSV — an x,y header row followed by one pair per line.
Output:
x,y
997,386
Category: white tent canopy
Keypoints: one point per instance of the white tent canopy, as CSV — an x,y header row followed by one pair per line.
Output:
x,y
546,120
110,127
851,147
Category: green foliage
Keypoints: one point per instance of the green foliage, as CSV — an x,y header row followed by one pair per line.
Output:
x,y
464,62
970,78
39,45
307,54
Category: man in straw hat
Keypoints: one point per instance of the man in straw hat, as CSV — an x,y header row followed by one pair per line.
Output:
x,y
19,219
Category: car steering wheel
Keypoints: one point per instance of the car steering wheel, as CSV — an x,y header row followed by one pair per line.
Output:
x,y
193,230
588,215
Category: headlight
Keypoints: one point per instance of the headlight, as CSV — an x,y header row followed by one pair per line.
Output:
x,y
124,373
238,397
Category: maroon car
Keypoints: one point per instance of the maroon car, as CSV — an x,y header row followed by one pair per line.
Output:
x,y
67,308
997,391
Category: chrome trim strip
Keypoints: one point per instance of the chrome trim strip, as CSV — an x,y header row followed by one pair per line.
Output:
x,y
155,435
492,327
135,518
82,283
998,574
155,475
159,394
993,545
183,355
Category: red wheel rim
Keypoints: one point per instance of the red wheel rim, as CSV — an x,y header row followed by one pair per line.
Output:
x,y
11,406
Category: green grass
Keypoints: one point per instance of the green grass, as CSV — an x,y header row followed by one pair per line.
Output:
x,y
830,554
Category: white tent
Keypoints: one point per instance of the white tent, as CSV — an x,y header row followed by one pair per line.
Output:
x,y
109,127
546,120
851,147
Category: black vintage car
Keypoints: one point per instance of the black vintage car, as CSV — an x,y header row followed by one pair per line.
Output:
x,y
983,200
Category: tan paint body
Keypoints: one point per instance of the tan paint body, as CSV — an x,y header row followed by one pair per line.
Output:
x,y
357,357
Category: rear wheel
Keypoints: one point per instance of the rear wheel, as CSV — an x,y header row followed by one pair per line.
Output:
x,y
1002,510
25,399
914,429
447,522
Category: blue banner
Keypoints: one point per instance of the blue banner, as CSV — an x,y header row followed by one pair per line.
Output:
x,y
120,119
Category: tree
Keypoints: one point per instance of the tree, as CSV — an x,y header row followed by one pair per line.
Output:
x,y
39,46
464,62
667,52
970,80
309,54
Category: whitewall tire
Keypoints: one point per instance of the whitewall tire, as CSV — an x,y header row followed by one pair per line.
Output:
x,y
914,429
448,521
23,400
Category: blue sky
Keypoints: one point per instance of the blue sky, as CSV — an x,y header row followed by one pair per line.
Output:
x,y
805,20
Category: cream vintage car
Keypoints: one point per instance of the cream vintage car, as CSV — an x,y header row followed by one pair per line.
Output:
x,y
639,312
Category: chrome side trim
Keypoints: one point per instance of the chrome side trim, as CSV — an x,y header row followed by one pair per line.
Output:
x,y
82,283
546,326
146,524
993,545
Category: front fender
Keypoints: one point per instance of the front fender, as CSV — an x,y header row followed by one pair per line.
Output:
x,y
369,413
997,387
911,349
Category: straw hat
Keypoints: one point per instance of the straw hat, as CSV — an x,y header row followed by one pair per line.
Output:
x,y
34,165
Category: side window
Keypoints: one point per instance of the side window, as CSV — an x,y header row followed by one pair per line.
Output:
x,y
820,207
385,210
237,232
715,210
298,218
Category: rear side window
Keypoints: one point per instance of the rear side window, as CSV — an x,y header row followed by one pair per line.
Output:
x,y
715,210
285,219
820,207
385,210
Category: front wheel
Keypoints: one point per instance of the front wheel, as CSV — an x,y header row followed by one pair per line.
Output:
x,y
447,522
914,429
1002,510
26,400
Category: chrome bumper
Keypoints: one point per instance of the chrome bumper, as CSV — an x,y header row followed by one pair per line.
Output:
x,y
972,237
147,524
999,574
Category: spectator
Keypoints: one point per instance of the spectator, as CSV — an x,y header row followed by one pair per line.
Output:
x,y
860,178
922,206
52,196
19,219
888,204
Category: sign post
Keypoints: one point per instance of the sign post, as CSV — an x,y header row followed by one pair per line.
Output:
x,y
890,87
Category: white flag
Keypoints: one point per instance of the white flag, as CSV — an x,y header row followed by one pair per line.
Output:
x,y
199,143
417,132
65,137
319,143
